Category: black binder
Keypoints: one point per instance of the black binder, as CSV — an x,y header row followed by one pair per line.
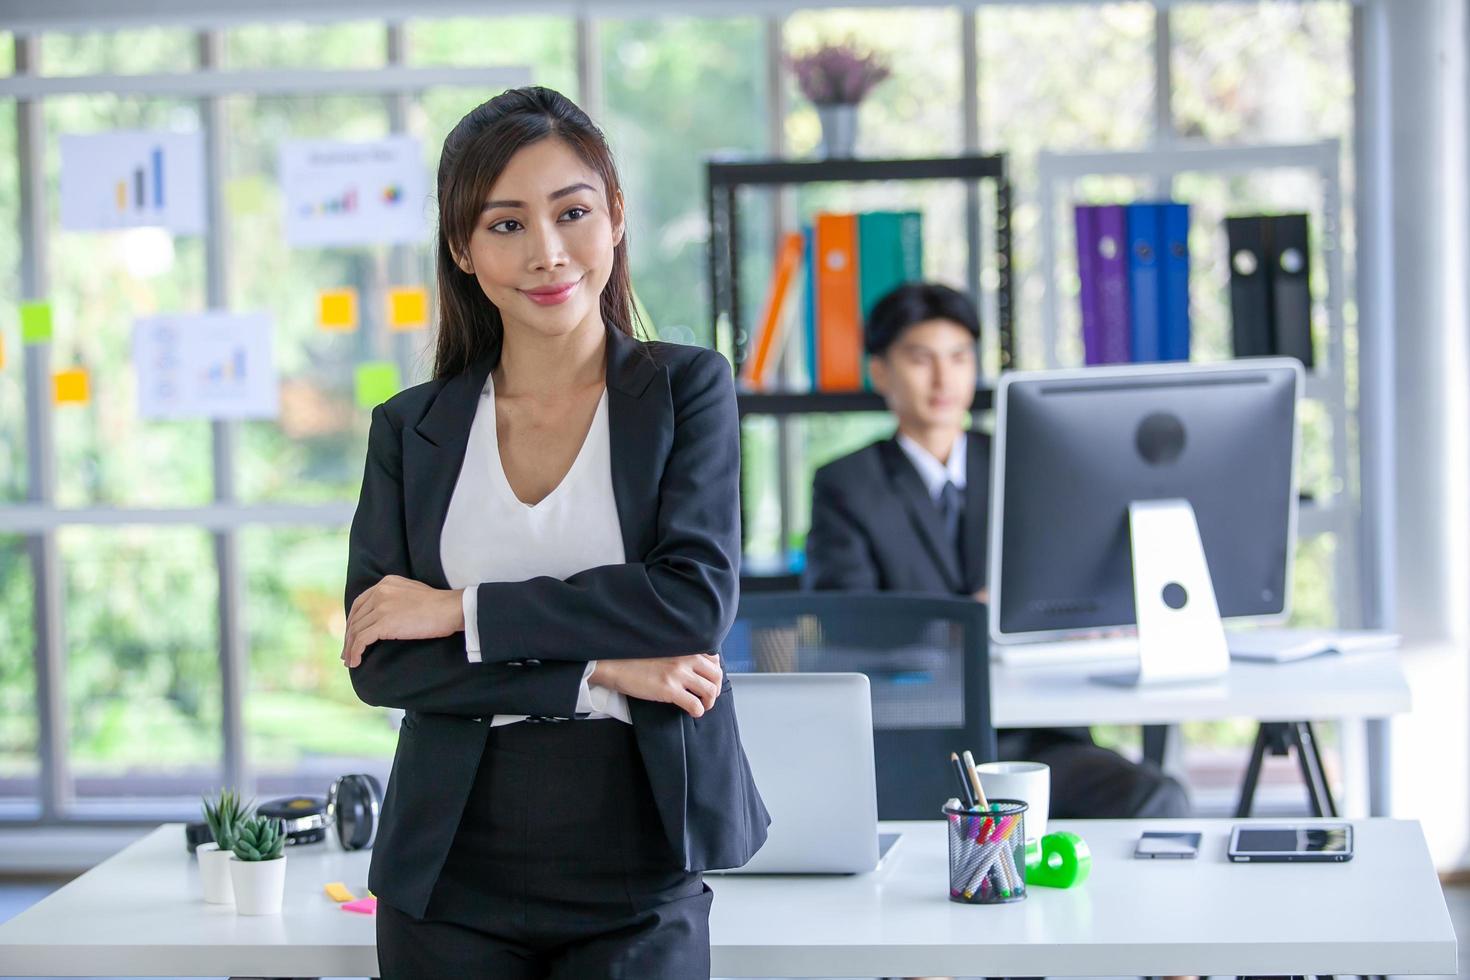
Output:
x,y
1291,293
1250,286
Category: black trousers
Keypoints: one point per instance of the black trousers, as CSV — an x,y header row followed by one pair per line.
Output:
x,y
1089,781
559,869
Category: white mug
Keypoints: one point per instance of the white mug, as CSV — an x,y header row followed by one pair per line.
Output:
x,y
1029,782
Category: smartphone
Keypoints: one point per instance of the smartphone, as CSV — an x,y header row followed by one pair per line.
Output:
x,y
1167,844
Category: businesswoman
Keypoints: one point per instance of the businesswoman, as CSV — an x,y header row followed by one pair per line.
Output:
x,y
543,562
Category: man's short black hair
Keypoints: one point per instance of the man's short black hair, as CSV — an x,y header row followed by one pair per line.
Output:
x,y
915,302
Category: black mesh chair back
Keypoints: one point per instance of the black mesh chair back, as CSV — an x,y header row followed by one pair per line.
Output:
x,y
927,662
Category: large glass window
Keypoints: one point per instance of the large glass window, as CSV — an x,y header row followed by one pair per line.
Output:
x,y
19,763
699,78
546,45
359,44
135,51
142,663
304,724
313,451
101,282
13,467
1268,72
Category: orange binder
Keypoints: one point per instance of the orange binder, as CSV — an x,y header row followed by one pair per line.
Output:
x,y
839,324
773,323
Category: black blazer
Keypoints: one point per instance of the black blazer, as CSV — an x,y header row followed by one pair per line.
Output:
x,y
675,448
875,527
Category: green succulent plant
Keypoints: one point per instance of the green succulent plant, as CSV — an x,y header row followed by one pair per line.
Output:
x,y
259,839
224,814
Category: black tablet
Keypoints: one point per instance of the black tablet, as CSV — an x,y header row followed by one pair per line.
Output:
x,y
1301,842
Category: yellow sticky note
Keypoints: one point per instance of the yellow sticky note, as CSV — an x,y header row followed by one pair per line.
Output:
x,y
71,387
2,352
337,309
408,308
339,892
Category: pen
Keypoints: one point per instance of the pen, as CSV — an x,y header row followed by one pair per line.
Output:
x,y
984,804
959,771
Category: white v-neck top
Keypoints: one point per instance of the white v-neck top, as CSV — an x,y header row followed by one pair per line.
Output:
x,y
490,535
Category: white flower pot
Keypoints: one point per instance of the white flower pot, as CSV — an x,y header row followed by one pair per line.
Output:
x,y
839,129
214,871
259,885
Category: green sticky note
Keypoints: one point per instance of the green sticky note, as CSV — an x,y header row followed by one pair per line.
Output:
x,y
249,194
377,381
35,322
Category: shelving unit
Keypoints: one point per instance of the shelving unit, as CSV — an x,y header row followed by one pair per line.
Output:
x,y
814,402
1326,384
725,178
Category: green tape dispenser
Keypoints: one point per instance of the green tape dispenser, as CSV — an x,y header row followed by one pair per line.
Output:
x,y
1058,860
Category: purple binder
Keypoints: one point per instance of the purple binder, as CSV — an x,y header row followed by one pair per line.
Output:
x,y
1086,220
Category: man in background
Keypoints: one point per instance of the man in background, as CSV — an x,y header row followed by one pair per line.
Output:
x,y
909,514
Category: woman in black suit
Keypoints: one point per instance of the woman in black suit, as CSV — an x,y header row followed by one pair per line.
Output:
x,y
549,532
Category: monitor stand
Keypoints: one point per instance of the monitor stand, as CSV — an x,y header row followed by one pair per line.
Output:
x,y
1180,636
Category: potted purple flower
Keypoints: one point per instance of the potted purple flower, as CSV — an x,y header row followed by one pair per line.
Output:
x,y
835,78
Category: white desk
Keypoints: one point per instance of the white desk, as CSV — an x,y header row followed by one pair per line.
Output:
x,y
1365,687
1358,685
140,913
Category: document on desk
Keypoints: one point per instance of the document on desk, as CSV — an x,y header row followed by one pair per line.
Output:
x,y
1290,645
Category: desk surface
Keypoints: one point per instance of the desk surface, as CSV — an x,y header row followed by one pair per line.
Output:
x,y
1357,685
140,913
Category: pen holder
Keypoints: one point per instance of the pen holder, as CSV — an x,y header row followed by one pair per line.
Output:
x,y
987,853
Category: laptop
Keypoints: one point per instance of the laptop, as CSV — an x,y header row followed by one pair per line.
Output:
x,y
809,738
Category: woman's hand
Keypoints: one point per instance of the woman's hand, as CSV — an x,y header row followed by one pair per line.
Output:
x,y
399,608
692,682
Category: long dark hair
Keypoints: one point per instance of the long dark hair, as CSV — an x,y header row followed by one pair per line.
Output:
x,y
475,153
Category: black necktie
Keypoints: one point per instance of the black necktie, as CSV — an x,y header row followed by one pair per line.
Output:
x,y
952,507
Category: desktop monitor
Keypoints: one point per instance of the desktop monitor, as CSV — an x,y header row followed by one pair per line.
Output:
x,y
1082,455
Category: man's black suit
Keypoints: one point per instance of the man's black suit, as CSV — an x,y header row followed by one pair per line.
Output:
x,y
875,527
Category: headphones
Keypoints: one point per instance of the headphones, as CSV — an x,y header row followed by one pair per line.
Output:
x,y
353,805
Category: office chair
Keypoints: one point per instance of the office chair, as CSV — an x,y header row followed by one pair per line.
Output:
x,y
927,662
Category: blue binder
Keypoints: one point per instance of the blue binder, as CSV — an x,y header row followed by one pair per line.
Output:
x,y
1143,280
1174,295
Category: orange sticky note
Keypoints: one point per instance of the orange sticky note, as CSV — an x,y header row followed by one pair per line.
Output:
x,y
408,308
339,892
337,309
71,387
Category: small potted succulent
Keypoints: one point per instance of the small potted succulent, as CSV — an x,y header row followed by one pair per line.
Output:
x,y
835,78
223,814
259,866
